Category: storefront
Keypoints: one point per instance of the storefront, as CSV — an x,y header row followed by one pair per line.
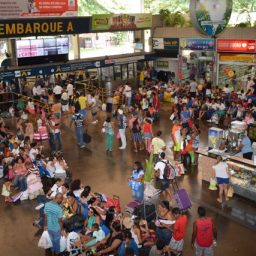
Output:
x,y
236,61
166,51
197,59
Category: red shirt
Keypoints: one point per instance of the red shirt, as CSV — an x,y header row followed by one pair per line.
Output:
x,y
179,230
204,236
147,128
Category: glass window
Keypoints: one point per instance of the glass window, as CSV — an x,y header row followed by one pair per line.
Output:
x,y
106,44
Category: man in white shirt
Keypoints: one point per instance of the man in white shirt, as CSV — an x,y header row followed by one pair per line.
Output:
x,y
192,88
159,173
57,90
128,93
70,89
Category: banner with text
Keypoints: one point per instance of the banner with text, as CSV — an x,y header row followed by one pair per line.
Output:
x,y
112,22
44,27
37,8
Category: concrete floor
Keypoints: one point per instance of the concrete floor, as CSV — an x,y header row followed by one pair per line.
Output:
x,y
236,231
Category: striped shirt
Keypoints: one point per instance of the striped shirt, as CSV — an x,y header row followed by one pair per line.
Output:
x,y
53,213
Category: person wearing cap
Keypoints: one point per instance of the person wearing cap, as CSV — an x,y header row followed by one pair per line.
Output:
x,y
122,124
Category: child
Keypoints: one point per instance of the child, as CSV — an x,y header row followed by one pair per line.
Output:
x,y
6,191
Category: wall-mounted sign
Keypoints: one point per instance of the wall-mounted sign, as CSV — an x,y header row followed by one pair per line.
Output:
x,y
248,58
158,43
37,8
104,22
43,27
210,17
162,64
229,45
197,44
169,44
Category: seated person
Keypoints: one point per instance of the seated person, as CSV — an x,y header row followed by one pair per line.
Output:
x,y
70,205
93,217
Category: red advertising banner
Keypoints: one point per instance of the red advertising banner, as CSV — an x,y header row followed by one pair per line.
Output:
x,y
229,45
37,8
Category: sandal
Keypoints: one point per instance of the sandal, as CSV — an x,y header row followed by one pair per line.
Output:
x,y
219,200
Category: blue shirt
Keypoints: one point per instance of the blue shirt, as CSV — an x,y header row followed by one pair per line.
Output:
x,y
247,145
53,213
132,245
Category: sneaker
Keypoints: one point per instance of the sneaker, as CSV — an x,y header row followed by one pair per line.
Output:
x,y
39,207
121,148
94,122
83,146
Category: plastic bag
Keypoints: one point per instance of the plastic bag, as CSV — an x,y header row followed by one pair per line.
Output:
x,y
63,243
45,241
230,191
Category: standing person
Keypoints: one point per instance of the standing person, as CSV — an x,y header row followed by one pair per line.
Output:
x,y
122,124
53,220
222,176
156,105
192,88
64,101
56,109
93,105
204,234
159,174
128,93
136,181
179,231
82,99
136,134
70,90
57,90
78,120
54,134
109,132
147,132
176,137
158,145
246,147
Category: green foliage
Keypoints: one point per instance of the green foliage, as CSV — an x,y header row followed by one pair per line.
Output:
x,y
149,167
173,19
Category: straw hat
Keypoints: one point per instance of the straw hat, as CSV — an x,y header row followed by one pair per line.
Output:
x,y
127,222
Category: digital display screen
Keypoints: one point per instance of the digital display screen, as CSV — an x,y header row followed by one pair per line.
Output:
x,y
42,47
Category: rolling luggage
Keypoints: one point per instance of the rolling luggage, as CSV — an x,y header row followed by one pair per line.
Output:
x,y
182,199
146,211
130,207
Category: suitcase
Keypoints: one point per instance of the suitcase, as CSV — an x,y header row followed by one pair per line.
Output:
x,y
130,207
146,212
182,199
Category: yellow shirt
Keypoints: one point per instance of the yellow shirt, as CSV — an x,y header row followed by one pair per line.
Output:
x,y
82,102
116,99
158,145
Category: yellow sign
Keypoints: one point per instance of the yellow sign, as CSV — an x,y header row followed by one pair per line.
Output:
x,y
238,57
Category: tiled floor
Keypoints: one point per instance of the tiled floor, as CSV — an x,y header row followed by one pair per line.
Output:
x,y
235,222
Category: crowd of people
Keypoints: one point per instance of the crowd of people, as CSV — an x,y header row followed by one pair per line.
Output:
x,y
93,222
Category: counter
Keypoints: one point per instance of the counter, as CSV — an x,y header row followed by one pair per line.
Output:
x,y
243,171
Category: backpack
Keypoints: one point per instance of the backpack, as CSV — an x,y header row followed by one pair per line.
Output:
x,y
169,171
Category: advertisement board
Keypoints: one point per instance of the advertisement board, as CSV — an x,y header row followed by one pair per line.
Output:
x,y
210,17
37,8
247,58
112,22
169,44
197,44
229,45
158,43
44,26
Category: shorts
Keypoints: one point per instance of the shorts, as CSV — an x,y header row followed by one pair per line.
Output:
x,y
137,136
176,245
221,181
147,135
203,251
177,147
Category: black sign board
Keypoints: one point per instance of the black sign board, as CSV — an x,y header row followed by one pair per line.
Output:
x,y
43,26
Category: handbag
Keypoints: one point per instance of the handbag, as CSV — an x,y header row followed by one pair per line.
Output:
x,y
45,241
230,191
118,136
87,138
134,185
